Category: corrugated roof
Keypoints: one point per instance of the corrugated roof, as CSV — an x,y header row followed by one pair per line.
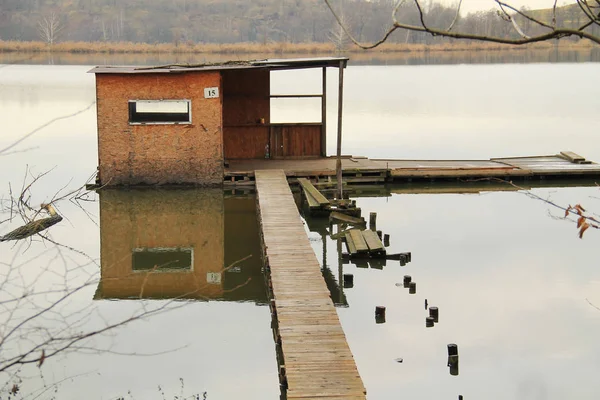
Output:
x,y
283,63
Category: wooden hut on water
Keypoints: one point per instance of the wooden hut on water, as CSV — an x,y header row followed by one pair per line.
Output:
x,y
180,123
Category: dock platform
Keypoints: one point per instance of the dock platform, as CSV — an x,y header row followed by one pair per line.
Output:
x,y
316,360
356,170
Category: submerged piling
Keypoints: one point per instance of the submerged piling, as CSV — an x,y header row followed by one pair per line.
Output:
x,y
412,288
434,313
380,314
348,280
373,221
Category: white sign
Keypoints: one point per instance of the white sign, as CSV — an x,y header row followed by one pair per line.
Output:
x,y
211,92
214,278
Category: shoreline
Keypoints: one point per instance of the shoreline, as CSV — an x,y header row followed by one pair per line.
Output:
x,y
274,48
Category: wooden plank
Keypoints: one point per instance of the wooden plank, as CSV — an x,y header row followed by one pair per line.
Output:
x,y
337,216
350,244
312,202
318,363
372,240
339,235
310,189
573,157
359,241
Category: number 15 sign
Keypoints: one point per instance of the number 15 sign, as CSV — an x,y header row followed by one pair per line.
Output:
x,y
211,92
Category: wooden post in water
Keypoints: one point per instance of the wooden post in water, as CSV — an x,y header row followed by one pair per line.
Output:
x,y
324,115
338,164
373,221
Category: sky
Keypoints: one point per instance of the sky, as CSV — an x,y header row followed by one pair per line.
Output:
x,y
479,5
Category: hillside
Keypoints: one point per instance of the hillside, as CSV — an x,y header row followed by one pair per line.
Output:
x,y
234,21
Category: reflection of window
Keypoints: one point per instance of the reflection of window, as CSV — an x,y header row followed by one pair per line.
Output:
x,y
162,259
160,112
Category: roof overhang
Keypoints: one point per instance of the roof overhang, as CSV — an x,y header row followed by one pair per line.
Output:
x,y
271,64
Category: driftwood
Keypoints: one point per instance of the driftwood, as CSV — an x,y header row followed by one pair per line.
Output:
x,y
35,226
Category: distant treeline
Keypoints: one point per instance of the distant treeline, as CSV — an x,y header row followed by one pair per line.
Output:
x,y
188,22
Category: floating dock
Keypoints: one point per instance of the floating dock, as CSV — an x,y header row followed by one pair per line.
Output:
x,y
316,361
358,170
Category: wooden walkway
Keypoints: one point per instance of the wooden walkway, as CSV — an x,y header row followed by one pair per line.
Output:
x,y
363,170
317,361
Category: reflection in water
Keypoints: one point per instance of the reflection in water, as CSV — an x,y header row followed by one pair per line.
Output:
x,y
158,244
322,227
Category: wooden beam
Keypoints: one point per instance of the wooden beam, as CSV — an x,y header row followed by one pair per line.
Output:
x,y
338,164
346,218
324,115
359,241
372,240
312,191
573,157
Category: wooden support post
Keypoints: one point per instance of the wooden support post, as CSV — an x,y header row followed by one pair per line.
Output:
x,y
373,221
434,313
324,115
338,164
412,288
348,280
452,350
380,314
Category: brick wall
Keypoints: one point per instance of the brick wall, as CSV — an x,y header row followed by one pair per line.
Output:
x,y
159,154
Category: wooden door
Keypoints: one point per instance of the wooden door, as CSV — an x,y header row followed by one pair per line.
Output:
x,y
295,141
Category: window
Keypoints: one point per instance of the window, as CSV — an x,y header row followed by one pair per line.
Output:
x,y
160,112
162,259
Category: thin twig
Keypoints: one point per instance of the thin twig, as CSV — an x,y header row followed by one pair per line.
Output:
x,y
4,150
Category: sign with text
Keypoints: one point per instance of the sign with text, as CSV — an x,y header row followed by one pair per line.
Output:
x,y
213,278
211,92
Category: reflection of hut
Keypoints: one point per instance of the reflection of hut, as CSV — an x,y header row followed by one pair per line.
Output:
x,y
161,244
177,124
172,244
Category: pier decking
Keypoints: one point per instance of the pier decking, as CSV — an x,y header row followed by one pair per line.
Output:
x,y
317,361
365,170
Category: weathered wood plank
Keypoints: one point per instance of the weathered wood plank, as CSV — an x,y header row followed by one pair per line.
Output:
x,y
318,361
310,190
372,240
359,241
337,216
573,157
350,244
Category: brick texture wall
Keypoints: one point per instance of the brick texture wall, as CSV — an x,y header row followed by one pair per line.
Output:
x,y
159,154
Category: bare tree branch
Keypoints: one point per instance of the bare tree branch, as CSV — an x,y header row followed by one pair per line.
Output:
x,y
555,32
455,16
39,128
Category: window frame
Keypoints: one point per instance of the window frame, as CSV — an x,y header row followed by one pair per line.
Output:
x,y
131,113
159,270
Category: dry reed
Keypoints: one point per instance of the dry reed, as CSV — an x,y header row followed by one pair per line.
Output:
x,y
255,48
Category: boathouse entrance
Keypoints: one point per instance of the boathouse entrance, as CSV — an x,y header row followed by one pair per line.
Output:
x,y
248,130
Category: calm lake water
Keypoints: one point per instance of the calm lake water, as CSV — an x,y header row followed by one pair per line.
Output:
x,y
511,281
